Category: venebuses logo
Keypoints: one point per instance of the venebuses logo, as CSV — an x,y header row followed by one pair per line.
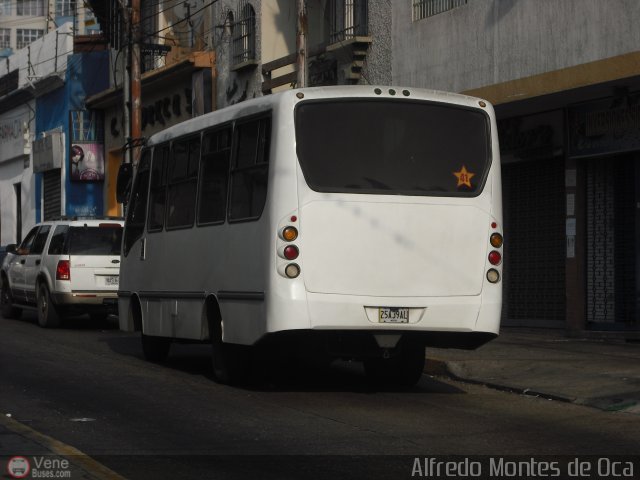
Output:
x,y
18,467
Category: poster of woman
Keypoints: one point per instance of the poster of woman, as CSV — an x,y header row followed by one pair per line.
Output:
x,y
87,162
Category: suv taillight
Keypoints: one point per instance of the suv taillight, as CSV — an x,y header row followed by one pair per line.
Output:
x,y
63,272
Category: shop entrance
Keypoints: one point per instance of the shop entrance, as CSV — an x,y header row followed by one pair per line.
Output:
x,y
611,250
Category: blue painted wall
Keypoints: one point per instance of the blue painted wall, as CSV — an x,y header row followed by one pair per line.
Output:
x,y
86,75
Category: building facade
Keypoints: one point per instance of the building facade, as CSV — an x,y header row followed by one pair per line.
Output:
x,y
24,21
564,78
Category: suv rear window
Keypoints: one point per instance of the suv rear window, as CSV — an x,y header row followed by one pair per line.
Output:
x,y
393,147
94,240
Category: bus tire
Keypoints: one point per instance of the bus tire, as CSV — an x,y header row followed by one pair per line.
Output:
x,y
6,301
155,349
231,363
47,315
403,370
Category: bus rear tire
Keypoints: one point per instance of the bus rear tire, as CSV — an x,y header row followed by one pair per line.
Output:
x,y
155,349
231,363
403,370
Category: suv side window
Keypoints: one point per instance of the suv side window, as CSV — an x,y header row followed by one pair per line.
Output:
x,y
56,246
25,246
40,240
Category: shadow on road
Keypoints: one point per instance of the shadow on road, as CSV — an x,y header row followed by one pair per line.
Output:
x,y
279,374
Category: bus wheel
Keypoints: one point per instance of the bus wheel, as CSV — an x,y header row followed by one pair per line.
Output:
x,y
231,363
155,349
402,370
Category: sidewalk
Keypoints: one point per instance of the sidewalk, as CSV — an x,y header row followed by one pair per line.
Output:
x,y
604,374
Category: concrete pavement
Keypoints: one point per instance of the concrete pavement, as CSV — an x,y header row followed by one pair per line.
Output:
x,y
600,373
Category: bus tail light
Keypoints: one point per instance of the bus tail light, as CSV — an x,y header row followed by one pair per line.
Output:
x,y
63,270
493,275
496,240
495,258
292,270
289,234
291,252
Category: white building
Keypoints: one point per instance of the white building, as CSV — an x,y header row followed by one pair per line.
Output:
x,y
23,77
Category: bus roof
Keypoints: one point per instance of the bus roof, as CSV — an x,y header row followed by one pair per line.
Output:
x,y
267,102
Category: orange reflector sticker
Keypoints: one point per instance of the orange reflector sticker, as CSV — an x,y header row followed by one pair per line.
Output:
x,y
464,177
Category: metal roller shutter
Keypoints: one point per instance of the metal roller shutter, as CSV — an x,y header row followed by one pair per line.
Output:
x,y
51,194
534,216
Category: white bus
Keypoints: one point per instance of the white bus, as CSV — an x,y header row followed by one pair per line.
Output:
x,y
352,222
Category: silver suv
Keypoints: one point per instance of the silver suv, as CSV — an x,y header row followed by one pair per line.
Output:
x,y
63,267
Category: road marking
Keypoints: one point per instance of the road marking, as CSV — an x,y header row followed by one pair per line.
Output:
x,y
75,456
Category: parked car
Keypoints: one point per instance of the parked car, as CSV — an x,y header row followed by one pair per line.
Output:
x,y
63,267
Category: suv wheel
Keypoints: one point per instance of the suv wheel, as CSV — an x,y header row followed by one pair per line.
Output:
x,y
47,315
6,300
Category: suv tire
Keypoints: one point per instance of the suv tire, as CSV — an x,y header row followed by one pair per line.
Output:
x,y
47,315
6,301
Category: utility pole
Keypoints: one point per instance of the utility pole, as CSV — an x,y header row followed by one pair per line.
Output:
x,y
301,44
136,84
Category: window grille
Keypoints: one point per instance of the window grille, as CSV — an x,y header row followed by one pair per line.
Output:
x,y
244,34
428,8
30,8
347,19
5,38
65,8
27,35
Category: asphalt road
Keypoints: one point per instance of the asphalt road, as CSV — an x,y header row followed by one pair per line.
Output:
x,y
90,388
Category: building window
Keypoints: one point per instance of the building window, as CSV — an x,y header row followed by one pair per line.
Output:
x,y
346,19
27,35
5,7
244,35
33,8
428,8
65,8
5,38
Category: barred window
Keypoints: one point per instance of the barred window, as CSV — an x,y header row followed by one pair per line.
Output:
x,y
244,34
5,38
65,8
346,19
30,7
27,35
428,8
5,7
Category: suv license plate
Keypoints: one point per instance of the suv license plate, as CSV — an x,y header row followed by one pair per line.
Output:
x,y
111,280
393,315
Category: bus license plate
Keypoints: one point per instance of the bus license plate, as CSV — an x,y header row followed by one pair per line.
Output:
x,y
393,315
111,280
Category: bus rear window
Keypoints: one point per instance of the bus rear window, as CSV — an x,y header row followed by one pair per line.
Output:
x,y
95,240
392,147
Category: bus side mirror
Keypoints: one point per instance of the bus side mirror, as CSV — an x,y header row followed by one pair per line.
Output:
x,y
11,248
123,184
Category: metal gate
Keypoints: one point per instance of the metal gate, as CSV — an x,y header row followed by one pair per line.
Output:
x,y
611,249
51,194
534,218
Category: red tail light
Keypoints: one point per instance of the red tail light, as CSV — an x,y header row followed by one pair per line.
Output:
x,y
63,271
291,252
495,258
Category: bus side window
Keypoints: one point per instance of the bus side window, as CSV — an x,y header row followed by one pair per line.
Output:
x,y
158,190
250,170
136,213
214,176
182,182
